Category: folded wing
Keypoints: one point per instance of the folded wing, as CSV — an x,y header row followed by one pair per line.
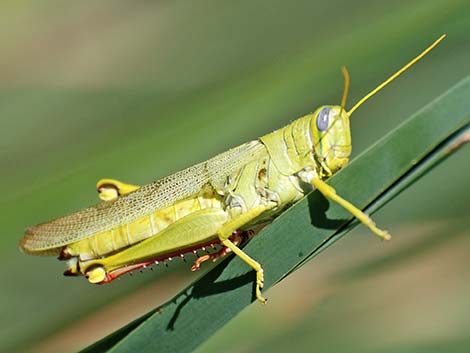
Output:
x,y
48,238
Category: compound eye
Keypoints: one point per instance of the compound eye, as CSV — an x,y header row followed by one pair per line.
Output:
x,y
322,119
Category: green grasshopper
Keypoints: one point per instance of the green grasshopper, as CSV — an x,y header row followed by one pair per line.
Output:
x,y
219,201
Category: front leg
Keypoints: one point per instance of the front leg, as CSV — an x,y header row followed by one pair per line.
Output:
x,y
330,193
111,189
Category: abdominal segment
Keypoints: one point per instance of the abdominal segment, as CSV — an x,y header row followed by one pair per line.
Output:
x,y
195,230
157,236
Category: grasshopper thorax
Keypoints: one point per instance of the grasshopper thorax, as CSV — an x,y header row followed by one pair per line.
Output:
x,y
330,132
320,141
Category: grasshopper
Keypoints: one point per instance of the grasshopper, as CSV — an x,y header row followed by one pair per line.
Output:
x,y
219,201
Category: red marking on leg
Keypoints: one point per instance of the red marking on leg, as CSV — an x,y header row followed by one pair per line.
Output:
x,y
237,238
199,261
112,275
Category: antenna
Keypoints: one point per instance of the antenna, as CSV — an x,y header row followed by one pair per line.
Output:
x,y
391,78
345,73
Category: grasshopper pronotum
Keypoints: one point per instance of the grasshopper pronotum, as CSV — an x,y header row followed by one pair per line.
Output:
x,y
218,201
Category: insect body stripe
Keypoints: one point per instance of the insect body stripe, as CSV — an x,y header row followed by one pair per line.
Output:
x,y
304,145
128,234
289,144
152,224
113,240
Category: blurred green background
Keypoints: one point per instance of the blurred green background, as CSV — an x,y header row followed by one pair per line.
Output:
x,y
135,90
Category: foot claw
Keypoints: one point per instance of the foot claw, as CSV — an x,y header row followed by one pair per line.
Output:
x,y
260,285
383,234
262,300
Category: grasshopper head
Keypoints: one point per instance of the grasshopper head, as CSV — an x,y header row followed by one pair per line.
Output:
x,y
330,124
